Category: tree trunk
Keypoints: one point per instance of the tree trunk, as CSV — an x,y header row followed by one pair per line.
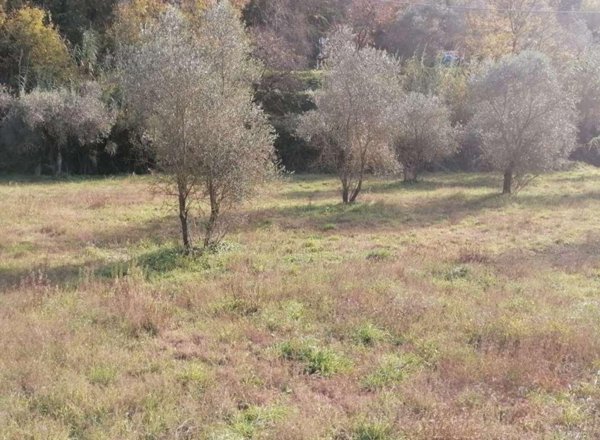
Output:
x,y
210,228
345,192
356,191
59,161
213,218
183,218
93,163
508,178
410,173
38,169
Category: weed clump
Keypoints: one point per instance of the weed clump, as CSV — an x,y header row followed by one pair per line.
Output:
x,y
392,370
367,430
379,255
102,375
316,360
456,273
251,420
369,335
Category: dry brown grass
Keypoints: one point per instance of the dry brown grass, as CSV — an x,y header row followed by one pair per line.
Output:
x,y
433,311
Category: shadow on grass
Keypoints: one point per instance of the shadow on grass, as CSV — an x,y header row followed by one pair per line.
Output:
x,y
21,179
550,200
577,177
579,257
152,264
112,241
371,216
155,231
168,259
156,262
432,182
423,212
428,182
157,235
418,212
455,206
313,195
67,275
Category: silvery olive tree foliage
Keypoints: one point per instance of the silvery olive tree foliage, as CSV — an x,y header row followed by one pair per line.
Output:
x,y
523,116
583,79
54,122
6,102
422,132
193,90
351,121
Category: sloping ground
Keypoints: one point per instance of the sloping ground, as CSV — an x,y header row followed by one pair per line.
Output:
x,y
438,310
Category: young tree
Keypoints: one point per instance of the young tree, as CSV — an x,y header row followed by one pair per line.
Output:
x,y
193,90
351,121
522,116
422,132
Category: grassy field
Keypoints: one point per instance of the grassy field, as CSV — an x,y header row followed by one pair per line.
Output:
x,y
439,310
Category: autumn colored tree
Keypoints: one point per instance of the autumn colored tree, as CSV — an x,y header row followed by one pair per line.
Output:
x,y
133,17
506,27
32,51
368,17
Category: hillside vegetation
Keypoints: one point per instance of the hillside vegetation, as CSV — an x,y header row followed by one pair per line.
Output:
x,y
431,310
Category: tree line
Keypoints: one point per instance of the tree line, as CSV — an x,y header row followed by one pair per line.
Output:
x,y
218,96
71,45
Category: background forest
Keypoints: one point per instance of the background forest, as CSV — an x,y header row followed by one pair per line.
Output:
x,y
62,105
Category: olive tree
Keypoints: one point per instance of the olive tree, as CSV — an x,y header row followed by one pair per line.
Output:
x,y
351,120
422,132
192,89
51,123
523,117
583,79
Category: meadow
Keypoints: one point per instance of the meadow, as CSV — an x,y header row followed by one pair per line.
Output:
x,y
437,310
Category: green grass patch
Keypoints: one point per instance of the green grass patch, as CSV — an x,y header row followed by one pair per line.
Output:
x,y
316,360
249,422
102,375
369,335
392,369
